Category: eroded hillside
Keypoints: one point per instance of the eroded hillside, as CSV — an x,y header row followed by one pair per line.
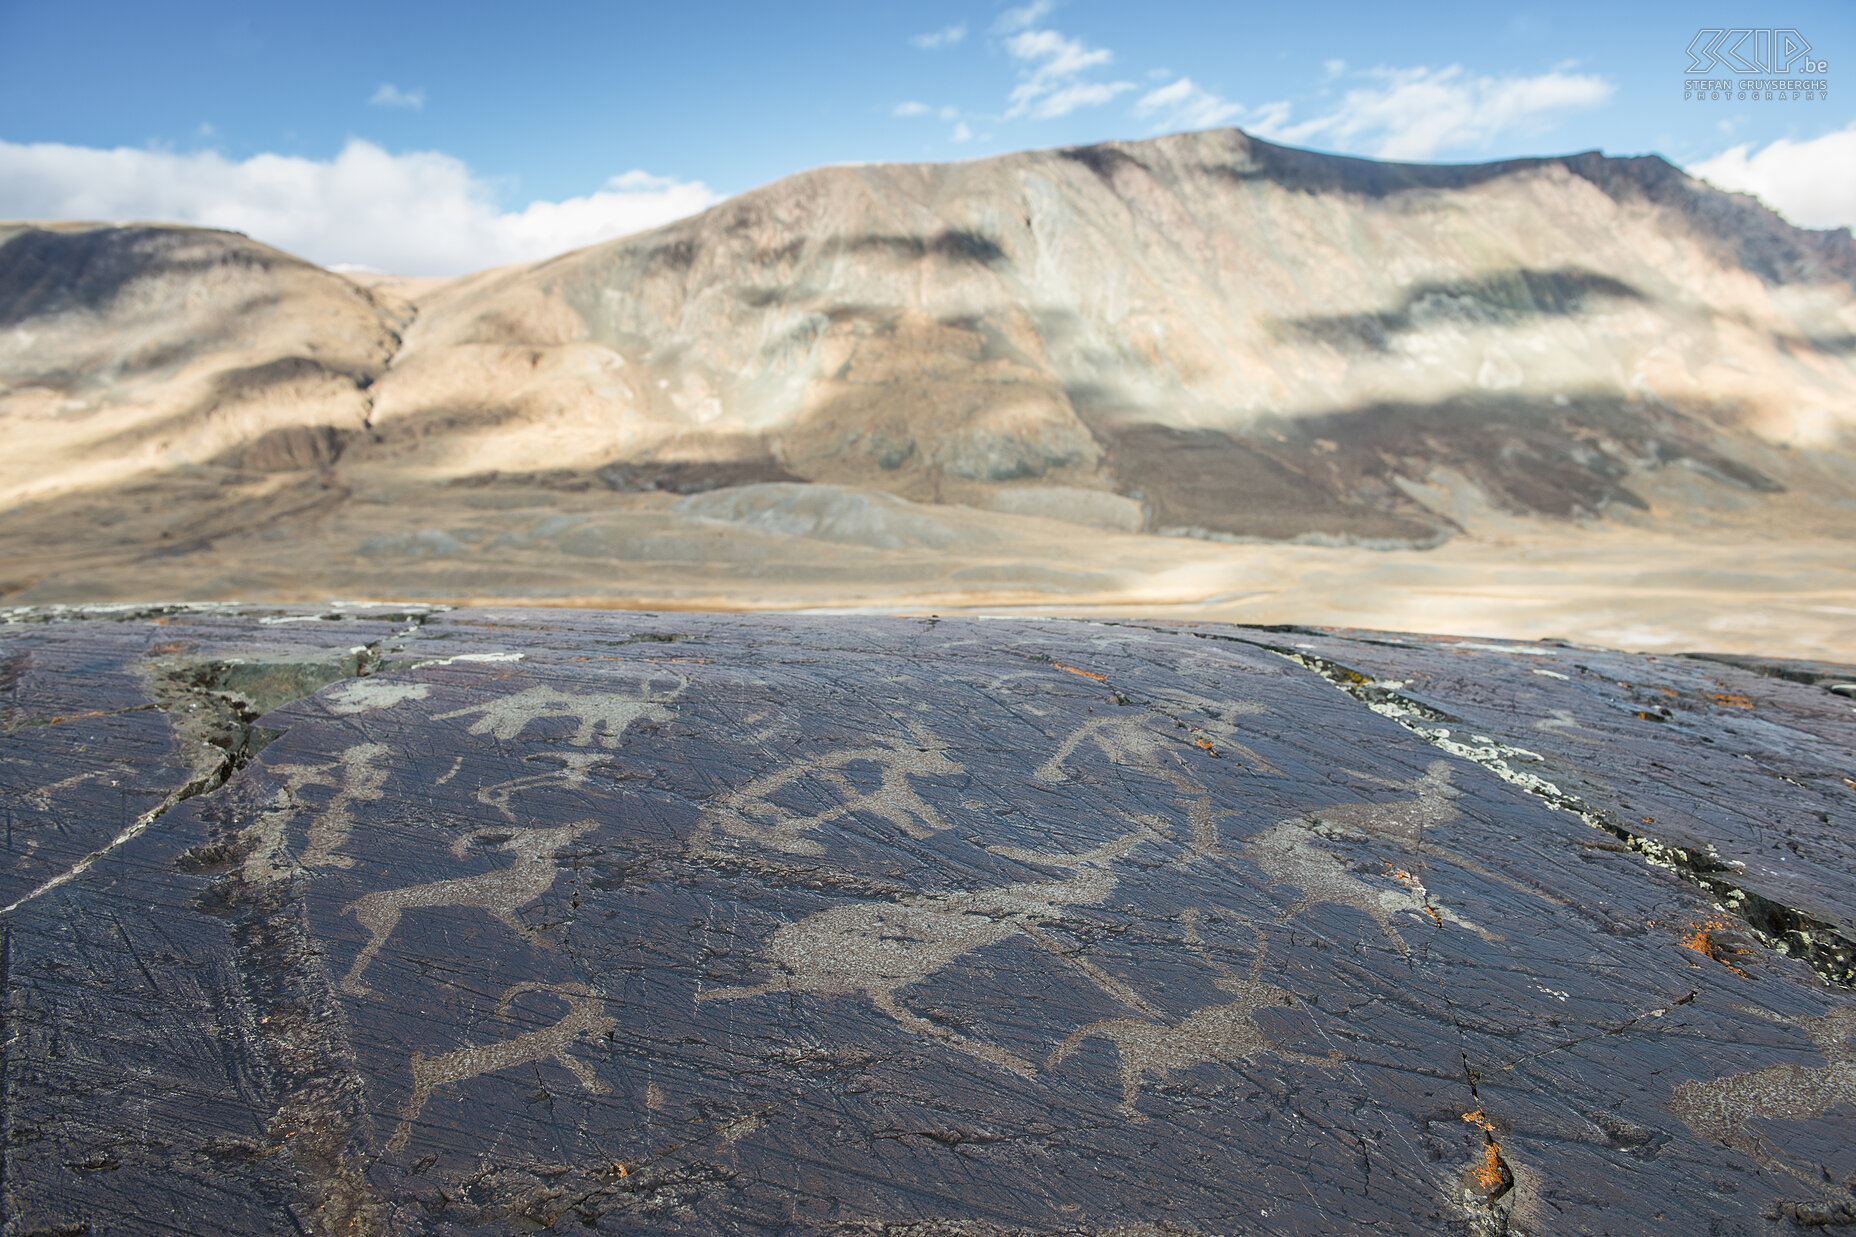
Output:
x,y
978,384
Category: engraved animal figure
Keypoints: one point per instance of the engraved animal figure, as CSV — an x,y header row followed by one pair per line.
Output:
x,y
359,780
1724,1109
1225,1033
575,766
1288,856
747,814
501,892
602,715
878,949
41,797
583,1020
1404,821
1131,740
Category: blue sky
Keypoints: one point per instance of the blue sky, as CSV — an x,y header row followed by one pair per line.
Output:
x,y
267,114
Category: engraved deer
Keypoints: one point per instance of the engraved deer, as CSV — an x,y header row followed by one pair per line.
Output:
x,y
582,1021
878,949
501,892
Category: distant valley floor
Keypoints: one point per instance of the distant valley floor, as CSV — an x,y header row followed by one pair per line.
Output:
x,y
1738,586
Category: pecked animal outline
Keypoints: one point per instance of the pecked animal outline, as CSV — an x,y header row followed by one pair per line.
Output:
x,y
877,949
1225,1033
1288,855
501,892
360,780
575,766
1131,740
748,815
602,715
583,1020
1724,1108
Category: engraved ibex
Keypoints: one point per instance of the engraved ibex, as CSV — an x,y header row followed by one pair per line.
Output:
x,y
877,949
449,1068
500,892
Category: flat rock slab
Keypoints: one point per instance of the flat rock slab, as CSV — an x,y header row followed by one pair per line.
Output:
x,y
488,921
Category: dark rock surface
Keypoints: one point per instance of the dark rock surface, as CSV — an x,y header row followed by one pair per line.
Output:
x,y
490,921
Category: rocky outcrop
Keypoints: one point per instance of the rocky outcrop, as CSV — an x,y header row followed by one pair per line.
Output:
x,y
481,921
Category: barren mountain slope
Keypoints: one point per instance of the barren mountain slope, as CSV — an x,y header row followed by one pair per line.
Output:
x,y
125,350
1244,338
1630,398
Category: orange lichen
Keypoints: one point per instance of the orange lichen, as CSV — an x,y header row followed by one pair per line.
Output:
x,y
1490,1177
1730,700
1088,674
1416,886
1207,745
1701,940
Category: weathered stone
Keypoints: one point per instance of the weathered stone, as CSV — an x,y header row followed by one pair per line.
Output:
x,y
690,924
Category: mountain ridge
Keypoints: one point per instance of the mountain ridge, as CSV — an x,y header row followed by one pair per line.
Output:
x,y
1203,335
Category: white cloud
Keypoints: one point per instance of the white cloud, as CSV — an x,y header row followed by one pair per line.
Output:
x,y
947,36
1024,17
950,113
961,133
420,213
1812,183
1050,82
911,108
1416,113
1334,67
1183,105
390,95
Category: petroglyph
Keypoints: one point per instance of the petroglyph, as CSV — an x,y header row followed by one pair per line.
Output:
x,y
1132,740
1222,1033
1288,856
1563,721
1725,1108
575,766
749,815
357,779
41,797
1128,739
583,1021
877,949
502,892
364,695
1404,821
602,715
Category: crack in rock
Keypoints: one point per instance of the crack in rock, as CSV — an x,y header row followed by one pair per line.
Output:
x,y
1782,929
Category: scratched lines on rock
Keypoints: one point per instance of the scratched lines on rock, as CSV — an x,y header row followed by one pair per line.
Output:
x,y
875,950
